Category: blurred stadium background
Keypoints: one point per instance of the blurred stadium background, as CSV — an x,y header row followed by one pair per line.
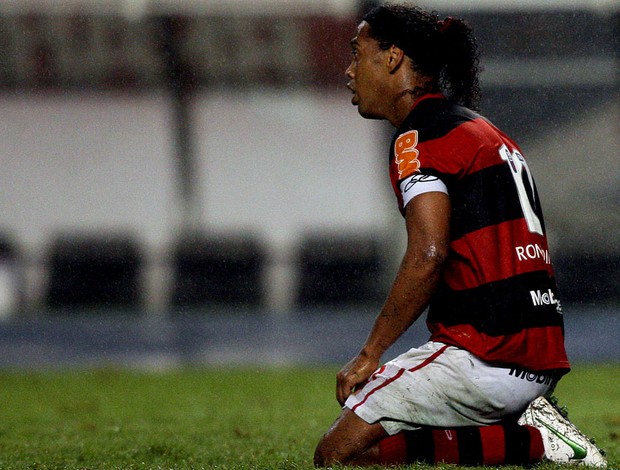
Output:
x,y
186,181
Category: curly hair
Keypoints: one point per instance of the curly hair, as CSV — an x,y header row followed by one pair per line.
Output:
x,y
445,50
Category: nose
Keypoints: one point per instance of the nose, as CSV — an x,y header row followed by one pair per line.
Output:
x,y
349,72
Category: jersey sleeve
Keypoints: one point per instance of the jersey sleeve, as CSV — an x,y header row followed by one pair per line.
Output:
x,y
411,180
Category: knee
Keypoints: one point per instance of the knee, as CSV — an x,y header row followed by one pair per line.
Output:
x,y
348,441
326,454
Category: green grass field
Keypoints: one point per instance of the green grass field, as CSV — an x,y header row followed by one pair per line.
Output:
x,y
226,419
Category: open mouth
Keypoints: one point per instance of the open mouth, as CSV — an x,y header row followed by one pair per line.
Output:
x,y
354,99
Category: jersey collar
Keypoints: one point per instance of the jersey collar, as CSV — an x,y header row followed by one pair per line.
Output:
x,y
427,97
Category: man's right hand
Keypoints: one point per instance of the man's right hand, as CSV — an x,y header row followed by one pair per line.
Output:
x,y
354,375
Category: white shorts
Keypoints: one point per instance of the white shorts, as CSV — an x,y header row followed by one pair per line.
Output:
x,y
444,386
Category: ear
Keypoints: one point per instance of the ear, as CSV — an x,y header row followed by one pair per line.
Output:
x,y
395,58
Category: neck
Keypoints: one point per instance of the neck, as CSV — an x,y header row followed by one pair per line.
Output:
x,y
403,102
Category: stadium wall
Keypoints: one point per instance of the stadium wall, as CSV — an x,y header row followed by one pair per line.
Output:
x,y
277,165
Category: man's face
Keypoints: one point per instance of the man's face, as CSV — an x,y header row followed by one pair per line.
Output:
x,y
366,74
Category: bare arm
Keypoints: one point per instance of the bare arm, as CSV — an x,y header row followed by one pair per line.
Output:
x,y
428,236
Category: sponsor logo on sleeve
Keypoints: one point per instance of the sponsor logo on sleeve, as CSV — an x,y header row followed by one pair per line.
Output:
x,y
406,154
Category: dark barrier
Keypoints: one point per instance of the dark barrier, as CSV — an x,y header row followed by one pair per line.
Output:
x,y
217,270
588,278
339,270
94,271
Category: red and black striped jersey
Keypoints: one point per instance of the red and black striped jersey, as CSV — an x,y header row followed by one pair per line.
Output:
x,y
497,297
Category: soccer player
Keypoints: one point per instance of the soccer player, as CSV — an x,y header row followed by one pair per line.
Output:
x,y
476,255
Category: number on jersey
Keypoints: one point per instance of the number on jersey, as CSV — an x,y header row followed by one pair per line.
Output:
x,y
525,187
